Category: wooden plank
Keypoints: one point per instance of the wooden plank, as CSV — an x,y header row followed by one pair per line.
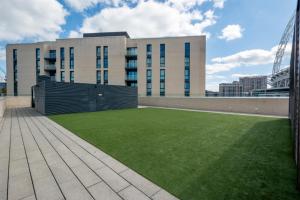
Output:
x,y
4,153
44,182
66,179
20,183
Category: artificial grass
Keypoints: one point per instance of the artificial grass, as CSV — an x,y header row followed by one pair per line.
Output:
x,y
196,155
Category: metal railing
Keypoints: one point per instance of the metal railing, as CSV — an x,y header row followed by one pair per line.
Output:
x,y
50,67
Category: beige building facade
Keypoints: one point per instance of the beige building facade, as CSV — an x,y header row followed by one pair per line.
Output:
x,y
170,66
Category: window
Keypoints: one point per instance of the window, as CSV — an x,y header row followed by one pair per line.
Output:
x,y
131,67
15,69
162,75
149,49
52,54
62,76
98,57
187,49
38,53
149,55
187,88
37,62
71,76
131,64
162,82
62,53
149,82
62,58
98,62
71,57
162,55
132,75
131,51
98,76
105,57
149,75
186,74
162,89
149,89
38,65
105,77
187,69
98,51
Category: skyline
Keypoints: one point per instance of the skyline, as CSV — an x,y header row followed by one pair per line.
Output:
x,y
242,36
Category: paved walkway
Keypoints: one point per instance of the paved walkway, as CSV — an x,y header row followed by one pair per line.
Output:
x,y
218,112
39,159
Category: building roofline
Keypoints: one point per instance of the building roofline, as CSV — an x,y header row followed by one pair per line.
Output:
x,y
106,34
169,37
29,43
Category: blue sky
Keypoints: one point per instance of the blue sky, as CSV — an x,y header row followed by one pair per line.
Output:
x,y
241,34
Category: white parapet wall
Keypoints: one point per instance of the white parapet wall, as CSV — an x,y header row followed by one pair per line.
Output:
x,y
2,106
278,106
14,102
18,101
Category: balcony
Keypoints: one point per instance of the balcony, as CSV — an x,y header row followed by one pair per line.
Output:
x,y
131,53
131,78
50,57
130,66
50,67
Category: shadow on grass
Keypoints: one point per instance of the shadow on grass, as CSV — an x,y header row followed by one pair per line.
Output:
x,y
258,166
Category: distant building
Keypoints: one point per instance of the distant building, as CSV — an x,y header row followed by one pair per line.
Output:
x,y
251,83
211,93
230,89
2,88
2,85
281,79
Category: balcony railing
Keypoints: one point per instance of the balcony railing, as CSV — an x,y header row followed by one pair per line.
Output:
x,y
131,66
131,78
50,67
131,52
50,57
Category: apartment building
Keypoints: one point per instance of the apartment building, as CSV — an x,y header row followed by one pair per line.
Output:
x,y
169,66
233,89
251,83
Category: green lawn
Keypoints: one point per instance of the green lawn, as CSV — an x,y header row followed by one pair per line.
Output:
x,y
196,155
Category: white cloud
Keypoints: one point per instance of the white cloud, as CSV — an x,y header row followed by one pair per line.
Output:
x,y
254,57
2,61
185,4
219,3
74,34
31,19
232,32
214,77
81,5
149,19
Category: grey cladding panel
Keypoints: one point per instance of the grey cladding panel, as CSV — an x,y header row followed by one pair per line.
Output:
x,y
58,98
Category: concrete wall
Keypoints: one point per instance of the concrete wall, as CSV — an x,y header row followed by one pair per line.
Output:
x,y
264,106
18,102
2,106
13,102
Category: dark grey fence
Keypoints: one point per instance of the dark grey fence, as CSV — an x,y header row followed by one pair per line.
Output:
x,y
295,93
57,98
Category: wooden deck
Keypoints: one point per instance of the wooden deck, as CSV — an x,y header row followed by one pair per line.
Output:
x,y
40,159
